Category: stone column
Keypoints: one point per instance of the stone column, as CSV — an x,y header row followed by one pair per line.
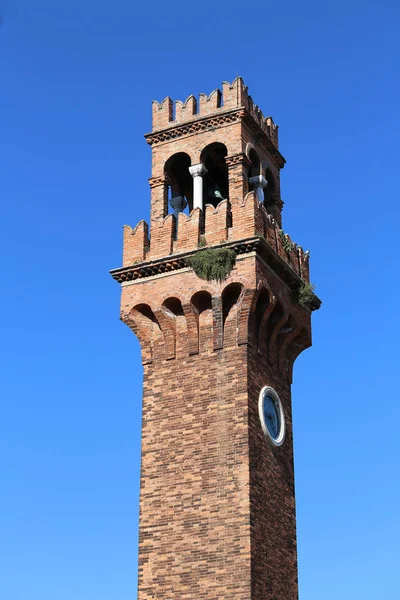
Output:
x,y
260,183
197,172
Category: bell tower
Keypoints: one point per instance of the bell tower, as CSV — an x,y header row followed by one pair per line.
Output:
x,y
220,299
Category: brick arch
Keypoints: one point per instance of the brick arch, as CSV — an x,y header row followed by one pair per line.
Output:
x,y
231,297
197,156
286,342
249,147
262,306
202,305
237,279
301,342
163,297
176,323
144,324
279,317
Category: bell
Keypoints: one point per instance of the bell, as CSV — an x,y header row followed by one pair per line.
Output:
x,y
215,192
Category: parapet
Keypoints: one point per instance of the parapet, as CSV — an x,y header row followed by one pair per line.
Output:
x,y
223,224
233,96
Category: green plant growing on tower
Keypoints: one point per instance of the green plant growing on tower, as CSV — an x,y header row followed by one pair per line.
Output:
x,y
212,263
286,243
305,293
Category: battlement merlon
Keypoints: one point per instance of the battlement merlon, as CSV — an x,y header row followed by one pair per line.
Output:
x,y
234,96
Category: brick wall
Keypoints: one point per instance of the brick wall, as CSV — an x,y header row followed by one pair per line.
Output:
x,y
217,516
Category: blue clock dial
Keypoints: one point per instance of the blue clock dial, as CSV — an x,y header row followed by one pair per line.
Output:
x,y
271,416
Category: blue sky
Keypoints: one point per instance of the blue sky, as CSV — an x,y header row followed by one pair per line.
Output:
x,y
77,80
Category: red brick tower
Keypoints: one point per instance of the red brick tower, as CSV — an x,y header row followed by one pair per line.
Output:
x,y
217,507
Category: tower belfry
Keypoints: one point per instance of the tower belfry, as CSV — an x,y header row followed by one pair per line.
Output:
x,y
219,297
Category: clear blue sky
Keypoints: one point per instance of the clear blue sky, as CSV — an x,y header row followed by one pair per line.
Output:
x,y
77,80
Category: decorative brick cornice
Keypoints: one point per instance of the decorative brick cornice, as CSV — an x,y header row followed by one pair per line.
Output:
x,y
197,125
175,262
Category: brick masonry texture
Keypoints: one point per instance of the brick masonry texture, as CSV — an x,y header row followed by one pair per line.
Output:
x,y
217,502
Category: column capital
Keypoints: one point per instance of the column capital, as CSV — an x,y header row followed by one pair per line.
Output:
x,y
198,170
258,181
178,203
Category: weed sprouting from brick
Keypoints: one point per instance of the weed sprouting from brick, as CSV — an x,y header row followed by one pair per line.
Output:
x,y
305,294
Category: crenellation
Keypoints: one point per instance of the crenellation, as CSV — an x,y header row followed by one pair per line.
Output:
x,y
162,237
162,113
189,230
247,217
184,111
233,96
210,104
136,243
217,223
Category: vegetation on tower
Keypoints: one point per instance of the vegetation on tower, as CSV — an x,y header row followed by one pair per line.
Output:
x,y
305,294
212,263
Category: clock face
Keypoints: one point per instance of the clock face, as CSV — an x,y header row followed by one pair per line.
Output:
x,y
271,415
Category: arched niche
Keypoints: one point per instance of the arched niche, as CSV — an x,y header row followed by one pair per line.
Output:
x,y
271,330
230,301
173,307
216,187
261,311
202,304
145,325
179,179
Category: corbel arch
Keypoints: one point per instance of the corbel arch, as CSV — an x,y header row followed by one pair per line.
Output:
x,y
144,324
299,343
173,309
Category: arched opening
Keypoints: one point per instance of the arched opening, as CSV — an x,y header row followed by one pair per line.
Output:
x,y
216,186
272,201
179,179
201,302
254,168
